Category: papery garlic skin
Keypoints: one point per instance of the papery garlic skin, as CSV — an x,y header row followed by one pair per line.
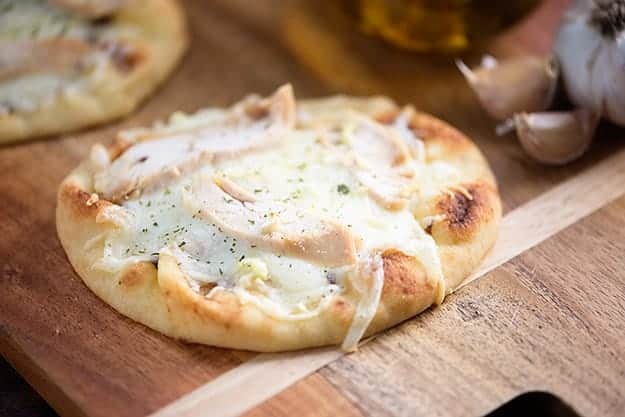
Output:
x,y
520,84
592,62
556,137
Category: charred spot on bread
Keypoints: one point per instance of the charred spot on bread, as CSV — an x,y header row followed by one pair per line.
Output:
x,y
464,209
123,56
80,202
459,209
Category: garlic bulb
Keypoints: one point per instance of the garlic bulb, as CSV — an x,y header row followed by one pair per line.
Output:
x,y
590,46
556,137
521,84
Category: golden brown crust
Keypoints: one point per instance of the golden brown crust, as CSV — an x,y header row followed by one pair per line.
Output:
x,y
432,130
465,211
404,276
79,204
159,295
137,70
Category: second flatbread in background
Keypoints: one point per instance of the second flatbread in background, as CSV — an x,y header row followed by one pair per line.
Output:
x,y
62,70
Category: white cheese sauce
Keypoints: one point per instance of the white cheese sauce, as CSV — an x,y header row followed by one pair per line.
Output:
x,y
303,172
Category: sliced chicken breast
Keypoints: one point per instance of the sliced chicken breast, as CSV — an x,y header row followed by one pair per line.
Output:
x,y
57,56
380,159
250,126
270,225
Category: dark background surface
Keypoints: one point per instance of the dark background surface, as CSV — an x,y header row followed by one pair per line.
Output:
x,y
17,398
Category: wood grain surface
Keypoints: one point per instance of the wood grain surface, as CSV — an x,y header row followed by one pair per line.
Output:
x,y
551,319
521,229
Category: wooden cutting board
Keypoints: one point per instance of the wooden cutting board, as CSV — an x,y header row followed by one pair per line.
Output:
x,y
551,319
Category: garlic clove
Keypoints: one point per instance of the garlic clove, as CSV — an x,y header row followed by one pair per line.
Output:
x,y
556,137
590,46
522,84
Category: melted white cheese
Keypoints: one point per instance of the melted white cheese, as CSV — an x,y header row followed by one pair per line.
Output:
x,y
37,19
369,286
30,92
22,21
306,174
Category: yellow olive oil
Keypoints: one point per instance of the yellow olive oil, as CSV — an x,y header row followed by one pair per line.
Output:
x,y
437,25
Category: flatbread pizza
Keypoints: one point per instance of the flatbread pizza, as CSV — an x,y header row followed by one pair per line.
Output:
x,y
274,225
69,64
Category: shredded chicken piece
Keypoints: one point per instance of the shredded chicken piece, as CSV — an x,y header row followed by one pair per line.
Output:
x,y
251,125
57,55
275,226
235,190
385,189
382,161
278,108
377,144
412,141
